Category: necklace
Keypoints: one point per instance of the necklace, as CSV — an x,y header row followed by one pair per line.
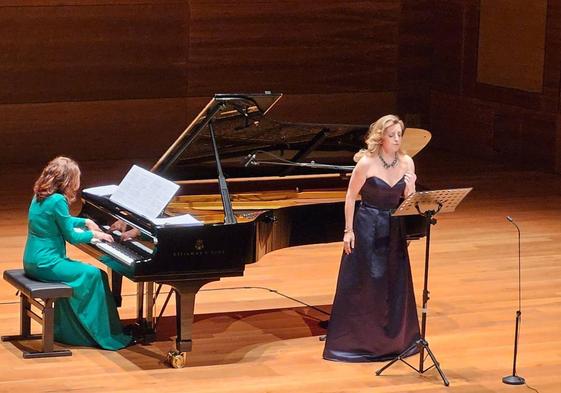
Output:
x,y
385,164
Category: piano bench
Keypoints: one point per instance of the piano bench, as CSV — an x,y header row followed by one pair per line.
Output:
x,y
47,292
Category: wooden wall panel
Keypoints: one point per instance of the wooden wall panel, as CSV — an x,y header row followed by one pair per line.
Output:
x,y
448,54
538,134
106,79
518,127
416,30
462,125
507,133
511,49
51,53
98,130
132,129
474,127
293,46
98,79
525,139
557,165
345,108
548,99
552,61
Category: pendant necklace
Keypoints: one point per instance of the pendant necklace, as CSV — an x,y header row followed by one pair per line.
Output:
x,y
385,164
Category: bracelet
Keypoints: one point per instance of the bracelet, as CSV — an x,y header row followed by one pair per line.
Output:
x,y
347,230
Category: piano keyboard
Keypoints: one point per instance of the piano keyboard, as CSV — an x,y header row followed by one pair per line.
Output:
x,y
119,251
141,246
136,244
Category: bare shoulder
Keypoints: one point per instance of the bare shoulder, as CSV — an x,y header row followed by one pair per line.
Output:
x,y
365,161
363,164
408,161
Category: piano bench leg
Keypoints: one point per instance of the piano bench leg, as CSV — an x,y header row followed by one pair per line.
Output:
x,y
49,354
47,324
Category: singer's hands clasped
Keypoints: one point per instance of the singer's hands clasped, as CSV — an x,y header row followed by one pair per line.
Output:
x,y
410,178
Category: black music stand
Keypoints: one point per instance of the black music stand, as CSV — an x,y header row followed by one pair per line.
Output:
x,y
428,204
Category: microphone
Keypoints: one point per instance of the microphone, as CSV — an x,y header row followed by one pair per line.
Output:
x,y
248,160
509,218
515,379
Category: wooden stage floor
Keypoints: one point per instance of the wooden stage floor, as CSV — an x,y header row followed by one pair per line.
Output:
x,y
250,339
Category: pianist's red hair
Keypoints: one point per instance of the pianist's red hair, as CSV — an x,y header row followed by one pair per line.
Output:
x,y
61,175
375,134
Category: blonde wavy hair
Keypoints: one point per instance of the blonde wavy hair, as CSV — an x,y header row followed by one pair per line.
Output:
x,y
61,175
375,134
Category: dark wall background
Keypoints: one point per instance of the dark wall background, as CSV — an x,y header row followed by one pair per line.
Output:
x,y
475,118
103,79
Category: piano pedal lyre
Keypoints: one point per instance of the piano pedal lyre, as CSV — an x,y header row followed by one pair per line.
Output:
x,y
176,359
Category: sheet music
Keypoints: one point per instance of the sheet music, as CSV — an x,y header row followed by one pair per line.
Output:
x,y
184,219
144,193
101,190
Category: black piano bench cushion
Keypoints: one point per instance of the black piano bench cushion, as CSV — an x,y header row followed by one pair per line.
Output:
x,y
36,289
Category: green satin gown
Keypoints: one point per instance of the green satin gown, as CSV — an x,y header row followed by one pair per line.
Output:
x,y
89,317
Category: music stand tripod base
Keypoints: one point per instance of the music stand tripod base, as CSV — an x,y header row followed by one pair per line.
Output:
x,y
422,344
427,204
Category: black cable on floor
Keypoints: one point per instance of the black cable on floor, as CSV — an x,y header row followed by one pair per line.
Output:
x,y
534,389
229,288
273,291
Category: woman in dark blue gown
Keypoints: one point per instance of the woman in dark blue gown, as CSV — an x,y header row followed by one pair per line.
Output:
x,y
374,316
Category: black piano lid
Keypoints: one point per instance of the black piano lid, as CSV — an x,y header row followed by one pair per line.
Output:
x,y
242,127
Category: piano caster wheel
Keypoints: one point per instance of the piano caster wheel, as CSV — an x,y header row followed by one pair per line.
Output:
x,y
177,359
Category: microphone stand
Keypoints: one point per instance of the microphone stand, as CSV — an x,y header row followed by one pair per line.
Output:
x,y
516,379
312,164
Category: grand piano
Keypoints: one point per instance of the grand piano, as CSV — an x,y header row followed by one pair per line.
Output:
x,y
256,184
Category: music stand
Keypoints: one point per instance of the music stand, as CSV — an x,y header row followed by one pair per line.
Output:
x,y
428,204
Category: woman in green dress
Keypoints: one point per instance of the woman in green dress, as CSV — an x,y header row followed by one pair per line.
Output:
x,y
89,317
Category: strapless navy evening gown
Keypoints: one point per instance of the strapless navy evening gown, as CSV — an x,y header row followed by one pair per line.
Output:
x,y
374,316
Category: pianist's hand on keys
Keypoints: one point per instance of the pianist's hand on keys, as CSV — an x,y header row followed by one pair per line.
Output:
x,y
91,225
120,227
98,234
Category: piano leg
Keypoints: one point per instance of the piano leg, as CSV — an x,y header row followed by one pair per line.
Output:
x,y
115,283
185,292
145,326
150,304
140,303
